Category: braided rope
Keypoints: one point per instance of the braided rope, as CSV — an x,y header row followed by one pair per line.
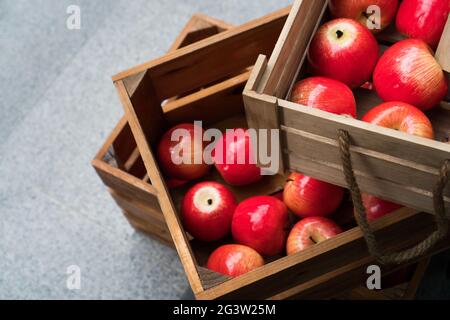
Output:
x,y
361,216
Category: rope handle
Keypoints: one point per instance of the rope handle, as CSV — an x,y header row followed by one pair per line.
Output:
x,y
361,216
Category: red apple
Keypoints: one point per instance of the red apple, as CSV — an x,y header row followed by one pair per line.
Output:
x,y
423,19
359,11
261,223
344,50
278,195
234,260
207,211
310,231
307,197
325,94
377,208
402,117
408,72
173,183
180,152
233,158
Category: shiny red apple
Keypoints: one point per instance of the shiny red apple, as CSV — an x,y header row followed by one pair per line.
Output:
x,y
423,19
233,158
377,208
234,260
359,10
207,211
310,231
344,50
325,94
306,196
261,223
408,72
402,117
180,152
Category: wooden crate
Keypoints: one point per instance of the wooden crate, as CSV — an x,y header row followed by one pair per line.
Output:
x,y
390,164
120,166
400,285
216,65
387,163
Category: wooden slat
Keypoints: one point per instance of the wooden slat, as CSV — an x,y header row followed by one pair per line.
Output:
x,y
323,170
150,229
178,235
261,112
414,284
203,62
394,232
126,184
443,51
291,47
211,104
139,209
375,164
416,153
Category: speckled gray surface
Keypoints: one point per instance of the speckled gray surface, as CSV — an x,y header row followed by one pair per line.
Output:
x,y
58,105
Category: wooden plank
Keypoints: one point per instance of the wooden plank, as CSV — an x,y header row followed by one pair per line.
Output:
x,y
150,230
262,114
191,67
139,209
280,14
327,285
375,164
414,284
211,104
292,45
393,231
443,50
416,153
404,146
323,170
126,184
178,235
220,24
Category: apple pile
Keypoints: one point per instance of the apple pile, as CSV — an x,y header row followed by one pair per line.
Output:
x,y
261,226
343,55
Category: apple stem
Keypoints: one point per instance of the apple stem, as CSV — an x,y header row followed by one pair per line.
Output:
x,y
210,202
339,34
311,238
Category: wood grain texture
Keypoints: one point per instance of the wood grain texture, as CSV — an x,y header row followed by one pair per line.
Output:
x,y
269,25
136,196
443,50
393,230
304,18
382,157
137,123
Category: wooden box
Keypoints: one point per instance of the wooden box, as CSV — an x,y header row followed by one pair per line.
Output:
x,y
120,166
386,163
219,66
390,164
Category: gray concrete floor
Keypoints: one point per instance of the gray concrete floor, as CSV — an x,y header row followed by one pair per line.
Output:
x,y
58,105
